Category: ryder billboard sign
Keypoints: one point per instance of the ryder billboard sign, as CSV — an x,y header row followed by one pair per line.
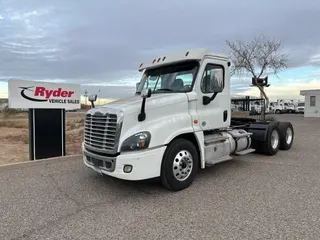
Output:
x,y
35,94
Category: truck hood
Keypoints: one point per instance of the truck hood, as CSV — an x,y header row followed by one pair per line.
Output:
x,y
133,104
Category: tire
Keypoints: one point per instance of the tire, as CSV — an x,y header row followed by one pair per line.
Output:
x,y
286,135
171,159
271,146
277,111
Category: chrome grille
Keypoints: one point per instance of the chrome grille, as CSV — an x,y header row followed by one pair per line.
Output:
x,y
100,131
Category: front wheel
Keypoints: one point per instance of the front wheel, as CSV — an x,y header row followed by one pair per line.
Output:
x,y
179,165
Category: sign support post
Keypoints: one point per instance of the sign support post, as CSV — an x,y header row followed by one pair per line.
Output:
x,y
46,140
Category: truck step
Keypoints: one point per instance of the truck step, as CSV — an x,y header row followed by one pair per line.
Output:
x,y
210,140
213,162
245,152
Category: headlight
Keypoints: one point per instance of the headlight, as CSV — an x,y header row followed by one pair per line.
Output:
x,y
136,142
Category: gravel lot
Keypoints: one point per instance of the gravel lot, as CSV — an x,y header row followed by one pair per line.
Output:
x,y
251,197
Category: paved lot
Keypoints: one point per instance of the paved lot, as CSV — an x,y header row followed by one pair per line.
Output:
x,y
252,197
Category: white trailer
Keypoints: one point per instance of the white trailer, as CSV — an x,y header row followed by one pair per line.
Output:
x,y
178,122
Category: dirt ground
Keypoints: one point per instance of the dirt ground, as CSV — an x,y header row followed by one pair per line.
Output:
x,y
14,136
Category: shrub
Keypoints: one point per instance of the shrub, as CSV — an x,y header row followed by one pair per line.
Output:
x,y
6,112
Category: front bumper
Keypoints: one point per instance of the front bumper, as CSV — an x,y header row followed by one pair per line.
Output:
x,y
145,164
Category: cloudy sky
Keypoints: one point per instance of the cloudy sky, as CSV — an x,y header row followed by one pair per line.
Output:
x,y
101,43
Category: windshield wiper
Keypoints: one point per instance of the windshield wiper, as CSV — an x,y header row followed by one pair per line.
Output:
x,y
165,89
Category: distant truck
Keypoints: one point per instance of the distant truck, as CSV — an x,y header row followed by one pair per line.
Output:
x,y
300,107
272,107
279,108
255,107
178,122
285,106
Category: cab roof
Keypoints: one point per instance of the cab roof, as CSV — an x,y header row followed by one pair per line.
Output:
x,y
192,54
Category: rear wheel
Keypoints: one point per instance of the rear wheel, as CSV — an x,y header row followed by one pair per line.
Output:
x,y
271,145
180,165
286,135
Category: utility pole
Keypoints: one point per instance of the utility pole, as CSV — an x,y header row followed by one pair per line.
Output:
x,y
261,95
262,82
85,96
99,97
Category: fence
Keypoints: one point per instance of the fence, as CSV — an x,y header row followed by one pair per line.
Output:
x,y
248,107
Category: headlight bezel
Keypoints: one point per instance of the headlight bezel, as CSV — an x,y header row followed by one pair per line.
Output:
x,y
136,142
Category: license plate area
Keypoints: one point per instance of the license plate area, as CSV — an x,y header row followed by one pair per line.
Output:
x,y
95,162
108,164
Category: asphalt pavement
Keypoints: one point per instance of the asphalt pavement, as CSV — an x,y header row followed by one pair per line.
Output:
x,y
250,197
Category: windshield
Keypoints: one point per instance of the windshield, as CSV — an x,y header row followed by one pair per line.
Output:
x,y
177,77
300,104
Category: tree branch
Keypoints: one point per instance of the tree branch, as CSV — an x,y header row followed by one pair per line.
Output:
x,y
260,54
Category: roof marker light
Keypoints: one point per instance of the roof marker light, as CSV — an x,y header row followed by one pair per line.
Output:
x,y
163,58
187,53
140,65
154,60
159,59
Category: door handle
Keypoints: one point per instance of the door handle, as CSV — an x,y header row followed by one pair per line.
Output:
x,y
225,115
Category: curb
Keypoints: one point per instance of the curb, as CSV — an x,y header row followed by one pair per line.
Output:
x,y
69,157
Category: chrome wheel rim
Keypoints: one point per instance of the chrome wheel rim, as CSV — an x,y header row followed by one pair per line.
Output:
x,y
182,165
274,139
289,135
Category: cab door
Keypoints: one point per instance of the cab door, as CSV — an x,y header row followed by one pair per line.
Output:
x,y
213,91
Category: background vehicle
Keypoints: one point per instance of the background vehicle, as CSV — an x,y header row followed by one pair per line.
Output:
x,y
285,106
178,122
279,108
299,107
272,107
255,107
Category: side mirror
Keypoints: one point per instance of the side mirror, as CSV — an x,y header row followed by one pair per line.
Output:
x,y
146,93
92,97
137,86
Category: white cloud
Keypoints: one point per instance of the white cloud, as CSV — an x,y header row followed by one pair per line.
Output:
x,y
52,80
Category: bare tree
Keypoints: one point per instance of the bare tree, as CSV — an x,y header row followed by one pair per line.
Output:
x,y
256,57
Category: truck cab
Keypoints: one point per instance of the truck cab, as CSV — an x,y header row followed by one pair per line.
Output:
x,y
256,107
300,107
179,121
272,107
279,108
285,106
289,107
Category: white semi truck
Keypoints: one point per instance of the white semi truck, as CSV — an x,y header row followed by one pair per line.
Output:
x,y
179,121
300,105
285,106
